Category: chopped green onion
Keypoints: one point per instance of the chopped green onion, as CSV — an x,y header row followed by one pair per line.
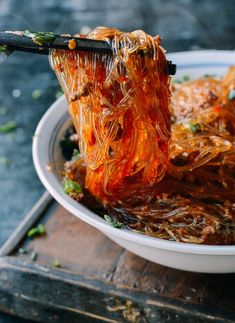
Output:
x,y
176,81
36,94
113,222
195,127
56,263
3,48
6,50
231,95
33,255
28,33
186,78
22,251
70,186
41,229
76,153
4,161
58,94
3,111
209,75
40,38
8,127
37,231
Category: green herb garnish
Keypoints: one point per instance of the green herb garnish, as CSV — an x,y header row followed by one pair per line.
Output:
x,y
186,78
195,127
58,94
40,38
8,127
75,154
33,256
6,50
3,111
37,231
231,95
209,75
56,263
70,186
3,48
22,251
176,81
36,94
113,222
5,161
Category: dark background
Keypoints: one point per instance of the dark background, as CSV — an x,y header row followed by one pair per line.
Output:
x,y
183,25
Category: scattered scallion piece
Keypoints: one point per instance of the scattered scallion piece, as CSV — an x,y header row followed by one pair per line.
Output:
x,y
58,94
195,127
70,186
33,256
56,263
36,231
3,111
5,161
177,81
36,94
209,75
76,153
22,251
8,127
5,50
186,78
40,38
231,95
113,222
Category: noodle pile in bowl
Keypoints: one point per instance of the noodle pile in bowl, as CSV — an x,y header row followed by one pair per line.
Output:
x,y
160,161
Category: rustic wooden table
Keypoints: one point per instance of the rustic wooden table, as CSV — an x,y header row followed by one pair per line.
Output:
x,y
184,25
74,273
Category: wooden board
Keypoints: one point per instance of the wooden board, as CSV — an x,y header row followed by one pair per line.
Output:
x,y
98,280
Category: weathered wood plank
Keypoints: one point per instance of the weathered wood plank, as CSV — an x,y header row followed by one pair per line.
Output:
x,y
54,295
84,250
100,281
30,219
79,247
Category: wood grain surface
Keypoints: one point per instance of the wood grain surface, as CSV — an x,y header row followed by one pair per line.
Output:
x,y
100,281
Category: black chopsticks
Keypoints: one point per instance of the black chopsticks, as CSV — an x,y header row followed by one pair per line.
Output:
x,y
40,43
19,41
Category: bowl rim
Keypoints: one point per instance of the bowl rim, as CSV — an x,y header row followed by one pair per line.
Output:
x,y
41,143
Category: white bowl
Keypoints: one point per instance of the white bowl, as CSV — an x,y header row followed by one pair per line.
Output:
x,y
191,257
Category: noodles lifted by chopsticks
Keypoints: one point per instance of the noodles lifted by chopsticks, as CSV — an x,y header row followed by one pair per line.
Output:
x,y
123,131
170,176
